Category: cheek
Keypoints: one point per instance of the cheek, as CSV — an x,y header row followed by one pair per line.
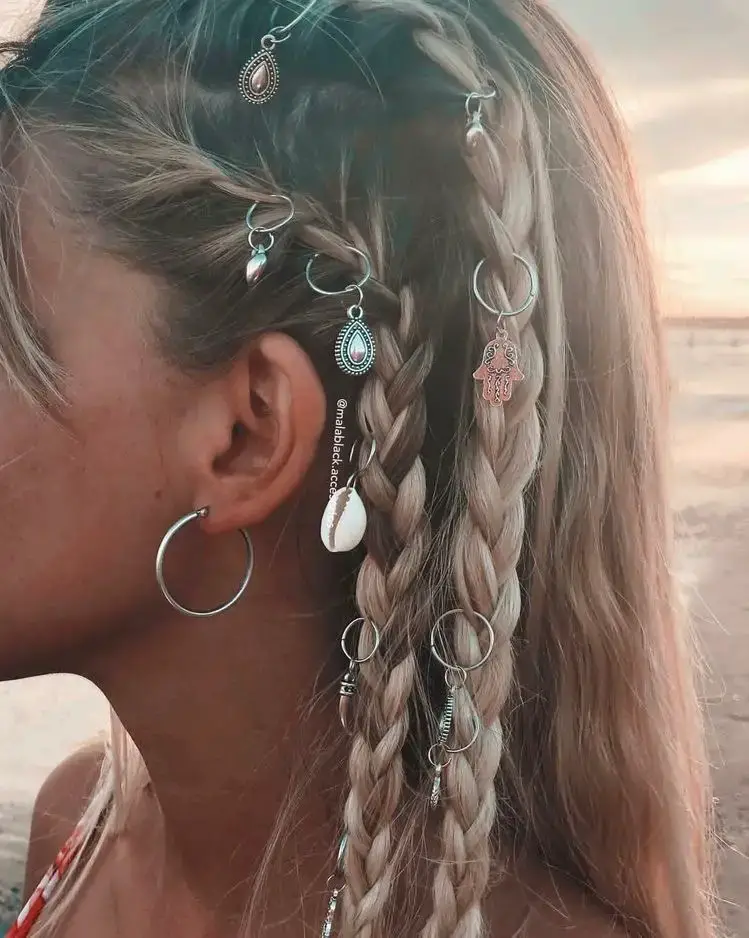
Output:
x,y
82,511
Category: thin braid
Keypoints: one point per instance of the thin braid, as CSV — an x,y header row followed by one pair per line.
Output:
x,y
501,458
393,407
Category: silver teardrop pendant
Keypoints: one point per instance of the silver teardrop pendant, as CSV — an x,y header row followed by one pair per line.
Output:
x,y
258,80
256,266
355,348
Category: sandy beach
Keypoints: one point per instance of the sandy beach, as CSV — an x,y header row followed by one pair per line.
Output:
x,y
711,456
42,720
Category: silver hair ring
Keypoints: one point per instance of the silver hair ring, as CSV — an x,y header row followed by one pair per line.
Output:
x,y
355,345
269,243
439,747
258,261
279,34
161,555
476,731
366,276
354,622
458,667
267,229
358,473
456,678
480,96
532,293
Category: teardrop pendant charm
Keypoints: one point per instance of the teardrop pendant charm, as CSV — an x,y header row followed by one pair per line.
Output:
x,y
256,266
355,348
258,80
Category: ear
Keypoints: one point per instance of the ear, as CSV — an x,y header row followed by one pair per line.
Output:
x,y
254,433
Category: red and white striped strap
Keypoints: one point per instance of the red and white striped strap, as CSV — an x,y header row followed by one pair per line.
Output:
x,y
40,897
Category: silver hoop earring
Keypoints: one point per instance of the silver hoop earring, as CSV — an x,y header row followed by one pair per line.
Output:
x,y
261,239
161,556
354,347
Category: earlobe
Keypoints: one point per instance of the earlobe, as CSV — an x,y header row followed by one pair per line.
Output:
x,y
273,406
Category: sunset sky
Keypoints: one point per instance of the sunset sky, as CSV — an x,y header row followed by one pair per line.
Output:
x,y
680,69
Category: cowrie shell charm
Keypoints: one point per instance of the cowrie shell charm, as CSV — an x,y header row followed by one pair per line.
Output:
x,y
344,521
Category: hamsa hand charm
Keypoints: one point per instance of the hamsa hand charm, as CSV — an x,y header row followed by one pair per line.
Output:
x,y
499,369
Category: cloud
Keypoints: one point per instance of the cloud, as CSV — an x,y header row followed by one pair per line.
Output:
x,y
664,42
728,173
694,131
680,70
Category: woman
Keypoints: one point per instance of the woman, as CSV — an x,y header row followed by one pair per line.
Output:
x,y
277,278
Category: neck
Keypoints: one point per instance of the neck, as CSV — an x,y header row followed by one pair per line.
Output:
x,y
220,711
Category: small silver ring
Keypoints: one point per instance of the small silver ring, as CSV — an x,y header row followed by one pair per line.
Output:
x,y
354,622
464,667
332,883
461,678
432,759
267,229
355,288
263,234
370,455
476,731
282,33
532,293
161,555
358,473
351,287
480,96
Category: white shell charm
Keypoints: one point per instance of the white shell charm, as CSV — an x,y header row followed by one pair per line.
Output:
x,y
344,521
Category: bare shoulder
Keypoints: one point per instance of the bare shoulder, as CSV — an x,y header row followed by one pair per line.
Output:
x,y
58,807
543,903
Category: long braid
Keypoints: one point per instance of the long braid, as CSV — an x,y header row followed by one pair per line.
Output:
x,y
393,408
501,458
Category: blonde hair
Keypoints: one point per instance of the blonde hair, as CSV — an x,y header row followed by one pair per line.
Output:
x,y
548,516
